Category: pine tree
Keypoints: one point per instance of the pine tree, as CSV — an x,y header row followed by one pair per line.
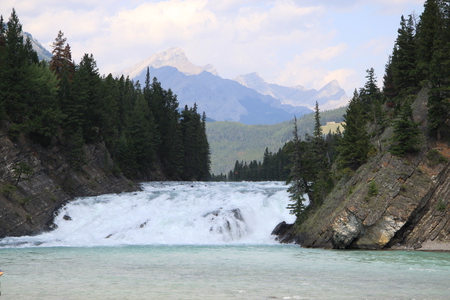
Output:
x,y
87,98
427,32
297,184
404,56
372,100
205,152
406,133
319,166
57,62
141,135
354,146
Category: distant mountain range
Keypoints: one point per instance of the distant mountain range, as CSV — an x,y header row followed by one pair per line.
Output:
x,y
247,99
331,96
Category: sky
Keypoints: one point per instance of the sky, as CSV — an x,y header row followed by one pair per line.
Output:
x,y
287,42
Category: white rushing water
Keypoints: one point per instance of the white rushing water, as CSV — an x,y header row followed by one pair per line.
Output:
x,y
170,213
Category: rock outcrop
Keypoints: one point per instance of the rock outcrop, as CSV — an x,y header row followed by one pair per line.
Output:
x,y
410,209
28,202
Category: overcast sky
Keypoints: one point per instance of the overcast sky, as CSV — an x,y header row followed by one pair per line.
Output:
x,y
287,42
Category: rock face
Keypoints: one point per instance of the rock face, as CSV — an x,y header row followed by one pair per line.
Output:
x,y
409,211
27,204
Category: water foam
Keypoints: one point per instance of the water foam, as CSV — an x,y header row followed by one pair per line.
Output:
x,y
170,213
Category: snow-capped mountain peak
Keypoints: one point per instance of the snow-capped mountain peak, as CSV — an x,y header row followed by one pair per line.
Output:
x,y
329,97
173,57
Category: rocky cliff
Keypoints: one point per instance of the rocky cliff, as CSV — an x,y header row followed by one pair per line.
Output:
x,y
36,181
388,203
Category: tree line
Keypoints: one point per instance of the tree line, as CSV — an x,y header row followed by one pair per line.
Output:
x,y
63,102
317,150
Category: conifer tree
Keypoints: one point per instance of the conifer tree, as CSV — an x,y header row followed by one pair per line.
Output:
x,y
406,133
427,33
61,61
354,145
86,89
319,166
372,100
404,55
205,152
298,186
141,135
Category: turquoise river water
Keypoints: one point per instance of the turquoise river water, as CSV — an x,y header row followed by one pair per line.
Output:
x,y
202,241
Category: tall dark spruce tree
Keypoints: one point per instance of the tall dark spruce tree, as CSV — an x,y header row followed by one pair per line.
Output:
x,y
406,133
404,56
426,34
164,106
195,145
298,185
354,145
319,164
372,101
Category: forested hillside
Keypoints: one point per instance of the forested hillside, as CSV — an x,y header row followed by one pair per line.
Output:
x,y
389,185
233,141
62,102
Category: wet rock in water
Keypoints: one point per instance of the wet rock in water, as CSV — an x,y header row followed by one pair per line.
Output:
x,y
237,214
284,232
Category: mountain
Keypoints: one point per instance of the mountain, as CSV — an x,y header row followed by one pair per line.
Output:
x,y
40,50
173,57
331,96
221,99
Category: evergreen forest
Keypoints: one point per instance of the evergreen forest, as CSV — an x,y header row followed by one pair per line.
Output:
x,y
419,62
70,104
234,142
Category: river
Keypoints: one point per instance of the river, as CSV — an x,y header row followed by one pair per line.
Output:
x,y
201,241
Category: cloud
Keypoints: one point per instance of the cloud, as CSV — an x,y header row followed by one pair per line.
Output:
x,y
309,68
287,42
157,22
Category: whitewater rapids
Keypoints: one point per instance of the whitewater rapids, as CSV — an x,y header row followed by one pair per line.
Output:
x,y
170,213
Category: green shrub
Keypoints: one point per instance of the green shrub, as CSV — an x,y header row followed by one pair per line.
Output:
x,y
435,157
373,189
8,189
441,206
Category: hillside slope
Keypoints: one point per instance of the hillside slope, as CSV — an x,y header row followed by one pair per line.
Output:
x,y
27,204
233,141
409,210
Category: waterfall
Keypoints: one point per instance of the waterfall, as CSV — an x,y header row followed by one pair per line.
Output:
x,y
170,213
